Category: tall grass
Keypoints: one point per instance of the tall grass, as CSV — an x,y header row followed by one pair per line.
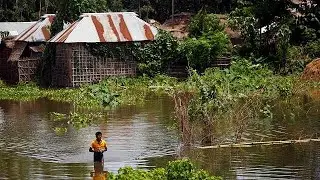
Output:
x,y
226,102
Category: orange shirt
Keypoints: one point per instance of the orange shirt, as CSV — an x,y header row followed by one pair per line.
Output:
x,y
97,146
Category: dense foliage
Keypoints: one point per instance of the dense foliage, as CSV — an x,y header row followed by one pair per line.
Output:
x,y
30,10
207,41
241,93
154,58
271,33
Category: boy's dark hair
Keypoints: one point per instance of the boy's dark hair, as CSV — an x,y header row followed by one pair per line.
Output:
x,y
98,133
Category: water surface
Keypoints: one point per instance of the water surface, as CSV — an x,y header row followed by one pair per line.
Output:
x,y
142,137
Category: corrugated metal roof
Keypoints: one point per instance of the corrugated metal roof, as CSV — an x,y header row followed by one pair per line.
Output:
x,y
39,32
14,28
107,27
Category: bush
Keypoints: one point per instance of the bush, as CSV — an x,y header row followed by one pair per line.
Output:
x,y
204,23
154,57
2,84
313,49
102,93
175,170
207,41
297,59
203,51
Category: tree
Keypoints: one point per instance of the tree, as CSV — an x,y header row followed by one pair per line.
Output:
x,y
207,41
116,5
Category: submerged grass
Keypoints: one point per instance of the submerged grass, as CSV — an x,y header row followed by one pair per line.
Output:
x,y
106,94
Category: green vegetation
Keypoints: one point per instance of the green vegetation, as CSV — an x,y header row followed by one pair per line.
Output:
x,y
212,105
78,120
29,10
243,93
175,170
271,33
108,93
276,43
236,97
154,58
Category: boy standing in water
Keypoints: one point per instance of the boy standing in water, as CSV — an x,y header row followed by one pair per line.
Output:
x,y
98,146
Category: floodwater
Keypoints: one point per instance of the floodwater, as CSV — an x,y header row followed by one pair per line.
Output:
x,y
143,137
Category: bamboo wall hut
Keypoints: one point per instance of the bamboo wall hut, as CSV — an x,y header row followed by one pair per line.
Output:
x,y
75,63
8,31
27,51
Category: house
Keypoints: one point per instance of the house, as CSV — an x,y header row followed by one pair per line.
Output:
x,y
77,64
27,51
8,30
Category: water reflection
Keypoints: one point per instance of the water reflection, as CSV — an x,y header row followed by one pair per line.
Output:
x,y
99,173
28,139
139,137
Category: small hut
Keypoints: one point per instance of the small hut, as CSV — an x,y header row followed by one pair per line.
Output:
x,y
75,62
27,51
8,30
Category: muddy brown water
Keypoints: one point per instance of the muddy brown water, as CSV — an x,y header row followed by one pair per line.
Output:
x,y
143,137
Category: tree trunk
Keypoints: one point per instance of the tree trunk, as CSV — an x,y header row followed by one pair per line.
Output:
x,y
139,8
46,5
40,9
172,5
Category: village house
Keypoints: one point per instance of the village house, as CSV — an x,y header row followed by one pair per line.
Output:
x,y
75,64
25,56
8,31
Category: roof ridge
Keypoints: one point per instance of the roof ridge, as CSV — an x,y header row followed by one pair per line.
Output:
x,y
106,13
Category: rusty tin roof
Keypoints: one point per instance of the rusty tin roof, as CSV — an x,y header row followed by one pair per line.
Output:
x,y
38,32
107,27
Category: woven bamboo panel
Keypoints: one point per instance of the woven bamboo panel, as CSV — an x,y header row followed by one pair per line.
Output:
x,y
27,68
61,72
75,65
87,68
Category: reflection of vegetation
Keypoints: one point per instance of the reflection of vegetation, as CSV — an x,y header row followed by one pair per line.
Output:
x,y
176,170
77,120
60,130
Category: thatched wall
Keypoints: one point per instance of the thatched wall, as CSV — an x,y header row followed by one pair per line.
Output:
x,y
8,70
75,65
